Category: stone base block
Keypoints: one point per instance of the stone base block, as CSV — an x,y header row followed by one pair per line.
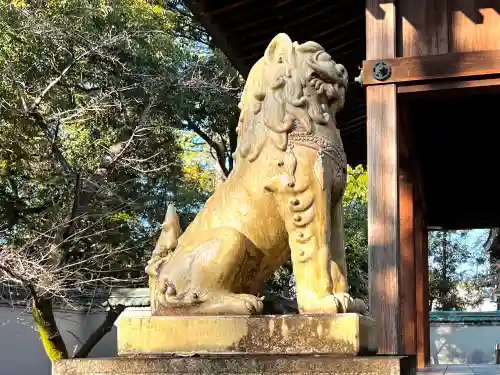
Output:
x,y
348,334
239,365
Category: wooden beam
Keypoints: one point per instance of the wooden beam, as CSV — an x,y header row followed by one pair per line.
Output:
x,y
435,67
474,25
380,29
219,38
424,27
414,166
225,8
383,193
488,83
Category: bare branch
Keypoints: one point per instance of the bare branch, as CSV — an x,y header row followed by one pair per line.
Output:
x,y
218,148
54,82
99,333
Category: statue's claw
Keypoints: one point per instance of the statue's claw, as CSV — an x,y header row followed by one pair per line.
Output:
x,y
345,301
326,305
334,304
240,304
216,304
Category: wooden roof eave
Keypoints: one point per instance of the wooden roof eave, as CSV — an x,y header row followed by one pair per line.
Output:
x,y
219,39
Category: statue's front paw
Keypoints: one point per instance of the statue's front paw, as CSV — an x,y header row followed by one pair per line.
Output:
x,y
326,305
337,303
244,304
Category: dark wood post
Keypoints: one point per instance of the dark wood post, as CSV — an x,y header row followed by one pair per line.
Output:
x,y
422,289
383,192
407,291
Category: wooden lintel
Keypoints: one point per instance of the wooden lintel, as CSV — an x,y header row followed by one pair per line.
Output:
x,y
416,87
435,67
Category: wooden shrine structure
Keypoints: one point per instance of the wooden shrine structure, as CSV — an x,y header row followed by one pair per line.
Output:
x,y
424,123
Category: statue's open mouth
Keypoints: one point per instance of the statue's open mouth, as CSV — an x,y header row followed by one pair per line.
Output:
x,y
329,87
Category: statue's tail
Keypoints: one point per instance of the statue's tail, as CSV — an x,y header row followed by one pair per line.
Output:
x,y
167,242
171,231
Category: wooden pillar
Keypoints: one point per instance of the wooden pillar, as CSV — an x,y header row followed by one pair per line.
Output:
x,y
407,277
422,289
383,191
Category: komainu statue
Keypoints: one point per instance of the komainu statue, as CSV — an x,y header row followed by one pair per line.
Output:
x,y
282,200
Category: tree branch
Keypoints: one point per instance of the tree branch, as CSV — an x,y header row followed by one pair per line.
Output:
x,y
14,276
219,150
54,82
100,332
37,116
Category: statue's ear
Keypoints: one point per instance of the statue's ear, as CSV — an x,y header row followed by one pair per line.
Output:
x,y
280,49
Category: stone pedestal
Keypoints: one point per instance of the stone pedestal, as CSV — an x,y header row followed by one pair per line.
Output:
x,y
239,364
347,334
230,345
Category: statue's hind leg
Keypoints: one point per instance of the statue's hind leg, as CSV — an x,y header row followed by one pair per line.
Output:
x,y
203,281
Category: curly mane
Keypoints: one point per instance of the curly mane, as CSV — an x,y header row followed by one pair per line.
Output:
x,y
282,94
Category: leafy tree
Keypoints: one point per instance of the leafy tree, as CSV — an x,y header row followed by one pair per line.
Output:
x,y
215,87
356,231
94,100
448,251
483,281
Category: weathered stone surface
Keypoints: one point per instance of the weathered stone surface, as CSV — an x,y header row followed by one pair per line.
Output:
x,y
239,364
350,334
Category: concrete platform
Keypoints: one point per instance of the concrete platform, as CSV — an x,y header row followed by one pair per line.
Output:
x,y
347,334
239,364
461,370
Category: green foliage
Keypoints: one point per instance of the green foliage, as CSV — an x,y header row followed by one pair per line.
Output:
x,y
448,252
357,186
356,231
99,101
94,93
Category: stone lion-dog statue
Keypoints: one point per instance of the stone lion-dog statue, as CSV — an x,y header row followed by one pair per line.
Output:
x,y
282,200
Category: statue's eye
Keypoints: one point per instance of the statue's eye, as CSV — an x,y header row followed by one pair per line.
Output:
x,y
323,56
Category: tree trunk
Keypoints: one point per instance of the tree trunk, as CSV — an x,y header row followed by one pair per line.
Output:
x,y
45,321
444,290
233,139
100,332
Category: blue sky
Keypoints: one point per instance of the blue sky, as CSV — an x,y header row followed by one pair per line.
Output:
x,y
475,241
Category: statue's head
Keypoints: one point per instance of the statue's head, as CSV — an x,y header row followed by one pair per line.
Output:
x,y
293,86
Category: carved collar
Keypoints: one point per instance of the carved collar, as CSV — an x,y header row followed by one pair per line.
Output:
x,y
320,143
